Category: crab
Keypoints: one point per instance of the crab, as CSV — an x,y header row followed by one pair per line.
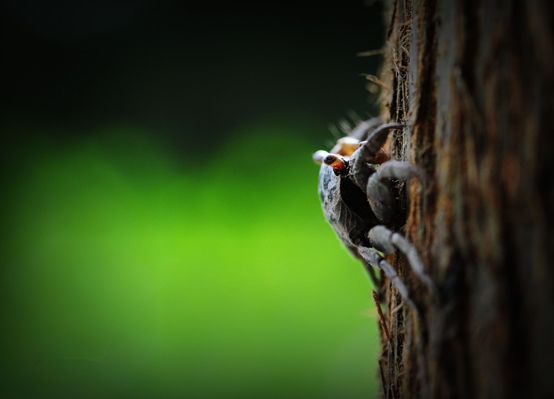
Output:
x,y
361,201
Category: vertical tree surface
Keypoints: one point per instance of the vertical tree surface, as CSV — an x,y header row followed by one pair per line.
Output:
x,y
473,81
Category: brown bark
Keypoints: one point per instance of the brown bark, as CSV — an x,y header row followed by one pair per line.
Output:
x,y
473,80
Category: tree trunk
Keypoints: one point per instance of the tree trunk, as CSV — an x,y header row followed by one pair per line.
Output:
x,y
473,81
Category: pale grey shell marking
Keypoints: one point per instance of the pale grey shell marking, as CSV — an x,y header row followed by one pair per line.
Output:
x,y
349,226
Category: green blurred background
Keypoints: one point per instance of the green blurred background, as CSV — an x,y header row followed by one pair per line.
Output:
x,y
161,230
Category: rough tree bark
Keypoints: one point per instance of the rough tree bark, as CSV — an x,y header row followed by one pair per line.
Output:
x,y
473,80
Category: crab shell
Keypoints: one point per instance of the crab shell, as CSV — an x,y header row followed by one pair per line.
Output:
x,y
346,208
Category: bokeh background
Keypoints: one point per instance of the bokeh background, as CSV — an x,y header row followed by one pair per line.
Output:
x,y
161,231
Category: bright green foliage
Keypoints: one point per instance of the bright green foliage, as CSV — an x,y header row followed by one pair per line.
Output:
x,y
134,272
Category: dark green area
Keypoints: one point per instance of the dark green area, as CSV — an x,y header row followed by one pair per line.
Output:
x,y
181,253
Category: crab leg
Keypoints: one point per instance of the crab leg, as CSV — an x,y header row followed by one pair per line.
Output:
x,y
388,242
359,132
375,259
379,194
370,152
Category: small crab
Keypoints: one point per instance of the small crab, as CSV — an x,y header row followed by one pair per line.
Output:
x,y
361,203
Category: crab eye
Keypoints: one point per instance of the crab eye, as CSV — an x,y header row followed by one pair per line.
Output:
x,y
339,164
330,159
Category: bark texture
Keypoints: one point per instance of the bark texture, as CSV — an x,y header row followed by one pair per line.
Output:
x,y
473,80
